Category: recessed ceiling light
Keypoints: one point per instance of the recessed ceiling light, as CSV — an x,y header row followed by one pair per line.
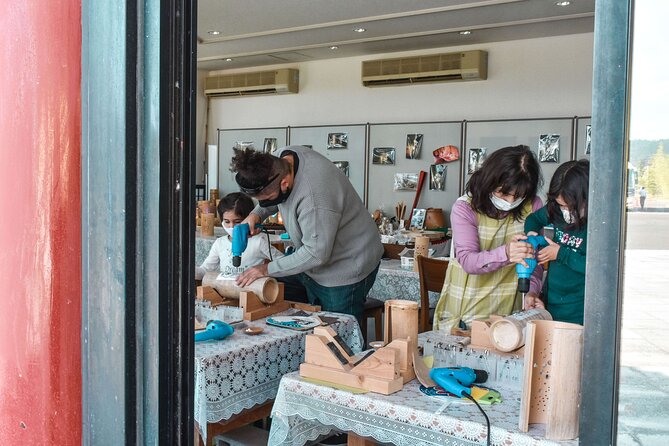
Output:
x,y
228,60
563,3
465,33
334,47
214,33
359,30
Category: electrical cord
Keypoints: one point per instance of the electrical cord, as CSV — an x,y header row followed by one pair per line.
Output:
x,y
487,420
268,243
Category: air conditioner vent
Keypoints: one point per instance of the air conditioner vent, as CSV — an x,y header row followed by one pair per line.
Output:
x,y
283,81
468,65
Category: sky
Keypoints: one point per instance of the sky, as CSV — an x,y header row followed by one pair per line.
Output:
x,y
650,70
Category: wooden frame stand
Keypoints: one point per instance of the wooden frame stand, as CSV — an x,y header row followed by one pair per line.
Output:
x,y
327,359
552,378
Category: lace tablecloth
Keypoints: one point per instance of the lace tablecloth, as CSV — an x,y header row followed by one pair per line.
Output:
x,y
304,411
242,371
395,282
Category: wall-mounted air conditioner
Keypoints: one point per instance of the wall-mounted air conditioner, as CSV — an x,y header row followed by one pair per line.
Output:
x,y
282,81
462,66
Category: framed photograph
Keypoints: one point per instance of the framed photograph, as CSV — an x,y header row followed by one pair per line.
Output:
x,y
383,155
269,146
588,139
476,158
342,165
405,181
417,218
337,141
549,148
438,177
414,144
244,144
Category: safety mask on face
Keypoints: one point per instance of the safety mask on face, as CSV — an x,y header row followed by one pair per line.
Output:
x,y
283,196
504,205
568,216
229,230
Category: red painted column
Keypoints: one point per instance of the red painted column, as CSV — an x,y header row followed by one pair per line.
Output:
x,y
40,224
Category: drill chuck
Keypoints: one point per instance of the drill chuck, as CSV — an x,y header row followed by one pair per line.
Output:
x,y
523,285
236,261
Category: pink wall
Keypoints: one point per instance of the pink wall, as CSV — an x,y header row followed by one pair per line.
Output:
x,y
40,224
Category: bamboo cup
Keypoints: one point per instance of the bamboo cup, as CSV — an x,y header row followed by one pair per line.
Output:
x,y
401,321
421,249
207,224
266,288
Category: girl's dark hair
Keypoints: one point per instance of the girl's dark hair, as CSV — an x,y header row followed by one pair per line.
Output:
x,y
255,169
238,202
570,181
511,169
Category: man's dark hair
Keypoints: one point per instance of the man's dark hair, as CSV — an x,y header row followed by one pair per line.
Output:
x,y
256,169
240,203
510,169
570,181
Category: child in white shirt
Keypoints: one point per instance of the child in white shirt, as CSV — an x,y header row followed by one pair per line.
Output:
x,y
233,209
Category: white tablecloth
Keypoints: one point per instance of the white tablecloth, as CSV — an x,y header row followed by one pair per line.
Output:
x,y
242,371
304,411
395,282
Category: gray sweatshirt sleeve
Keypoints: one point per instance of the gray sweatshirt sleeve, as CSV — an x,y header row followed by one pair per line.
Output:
x,y
263,213
319,229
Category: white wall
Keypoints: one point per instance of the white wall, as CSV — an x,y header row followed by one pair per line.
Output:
x,y
526,78
200,123
548,77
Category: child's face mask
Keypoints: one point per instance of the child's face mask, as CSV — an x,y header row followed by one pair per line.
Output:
x,y
229,230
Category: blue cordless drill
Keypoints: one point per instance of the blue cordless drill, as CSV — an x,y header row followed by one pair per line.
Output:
x,y
240,240
525,272
216,330
458,380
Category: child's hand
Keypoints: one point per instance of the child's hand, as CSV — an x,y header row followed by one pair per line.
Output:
x,y
549,253
251,274
532,302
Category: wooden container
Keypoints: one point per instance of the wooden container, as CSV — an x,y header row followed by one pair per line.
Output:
x,y
508,333
401,325
266,288
552,378
434,218
207,221
213,195
421,249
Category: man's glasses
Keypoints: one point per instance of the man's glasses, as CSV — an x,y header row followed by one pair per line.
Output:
x,y
255,190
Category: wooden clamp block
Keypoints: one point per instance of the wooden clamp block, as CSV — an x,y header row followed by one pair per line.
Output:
x,y
210,294
405,348
253,308
332,336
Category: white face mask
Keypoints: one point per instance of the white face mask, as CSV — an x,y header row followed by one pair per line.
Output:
x,y
229,230
504,205
568,216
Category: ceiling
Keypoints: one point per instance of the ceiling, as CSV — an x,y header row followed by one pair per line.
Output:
x,y
264,32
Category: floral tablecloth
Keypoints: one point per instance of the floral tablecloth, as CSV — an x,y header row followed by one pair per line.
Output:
x,y
395,282
304,411
242,371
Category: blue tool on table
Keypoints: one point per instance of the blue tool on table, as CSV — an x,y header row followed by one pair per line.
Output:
x,y
525,272
458,380
216,330
240,240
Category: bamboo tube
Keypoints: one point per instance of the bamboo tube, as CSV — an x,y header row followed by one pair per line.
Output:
x,y
421,249
266,288
508,334
207,224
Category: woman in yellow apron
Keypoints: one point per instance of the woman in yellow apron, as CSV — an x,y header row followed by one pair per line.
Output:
x,y
487,224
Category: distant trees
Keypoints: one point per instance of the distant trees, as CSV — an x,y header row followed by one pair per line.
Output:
x,y
655,175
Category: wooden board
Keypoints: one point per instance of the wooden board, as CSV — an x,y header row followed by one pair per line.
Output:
x,y
371,383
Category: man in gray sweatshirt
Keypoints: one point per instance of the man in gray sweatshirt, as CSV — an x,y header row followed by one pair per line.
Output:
x,y
337,245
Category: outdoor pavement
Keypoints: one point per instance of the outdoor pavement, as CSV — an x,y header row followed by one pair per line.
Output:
x,y
644,378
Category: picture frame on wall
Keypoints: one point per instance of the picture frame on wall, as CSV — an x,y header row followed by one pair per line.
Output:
x,y
414,146
549,148
241,145
337,141
383,156
270,146
342,165
405,181
588,139
476,158
438,177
